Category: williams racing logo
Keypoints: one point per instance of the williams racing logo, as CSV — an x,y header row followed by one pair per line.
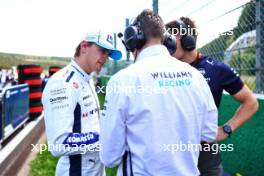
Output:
x,y
172,79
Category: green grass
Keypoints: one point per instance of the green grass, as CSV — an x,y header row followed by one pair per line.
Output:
x,y
43,165
101,98
247,157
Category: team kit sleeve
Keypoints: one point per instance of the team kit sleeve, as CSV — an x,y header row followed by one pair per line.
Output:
x,y
230,79
112,137
60,108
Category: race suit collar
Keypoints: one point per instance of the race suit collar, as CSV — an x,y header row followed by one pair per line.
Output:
x,y
153,51
81,72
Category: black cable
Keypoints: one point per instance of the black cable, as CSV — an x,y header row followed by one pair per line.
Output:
x,y
164,4
201,7
179,6
213,19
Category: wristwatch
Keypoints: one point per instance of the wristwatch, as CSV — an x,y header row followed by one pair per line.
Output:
x,y
227,129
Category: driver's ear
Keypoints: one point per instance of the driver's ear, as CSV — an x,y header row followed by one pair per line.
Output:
x,y
83,46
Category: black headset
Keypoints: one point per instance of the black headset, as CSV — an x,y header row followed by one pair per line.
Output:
x,y
188,42
135,39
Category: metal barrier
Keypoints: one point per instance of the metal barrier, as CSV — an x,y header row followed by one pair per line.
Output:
x,y
240,47
14,109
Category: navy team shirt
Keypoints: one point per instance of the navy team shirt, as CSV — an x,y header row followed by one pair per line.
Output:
x,y
219,76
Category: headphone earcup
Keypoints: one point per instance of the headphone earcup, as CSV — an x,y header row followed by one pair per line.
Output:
x,y
188,42
170,43
130,37
134,38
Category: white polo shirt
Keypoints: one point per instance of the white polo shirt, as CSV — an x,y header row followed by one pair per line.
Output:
x,y
154,108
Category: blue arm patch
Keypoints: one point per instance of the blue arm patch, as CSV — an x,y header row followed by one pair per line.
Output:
x,y
77,139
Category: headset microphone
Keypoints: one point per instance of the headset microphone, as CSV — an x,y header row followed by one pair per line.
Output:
x,y
120,35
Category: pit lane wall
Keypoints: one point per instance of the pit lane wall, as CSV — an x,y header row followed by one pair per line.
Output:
x,y
14,109
247,158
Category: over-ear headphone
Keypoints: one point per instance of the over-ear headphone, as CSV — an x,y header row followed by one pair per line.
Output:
x,y
170,42
188,42
134,38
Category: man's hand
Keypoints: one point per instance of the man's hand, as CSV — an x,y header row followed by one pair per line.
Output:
x,y
221,135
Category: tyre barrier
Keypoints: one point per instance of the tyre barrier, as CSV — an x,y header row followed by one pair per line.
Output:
x,y
35,111
53,69
35,95
25,71
30,74
33,89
